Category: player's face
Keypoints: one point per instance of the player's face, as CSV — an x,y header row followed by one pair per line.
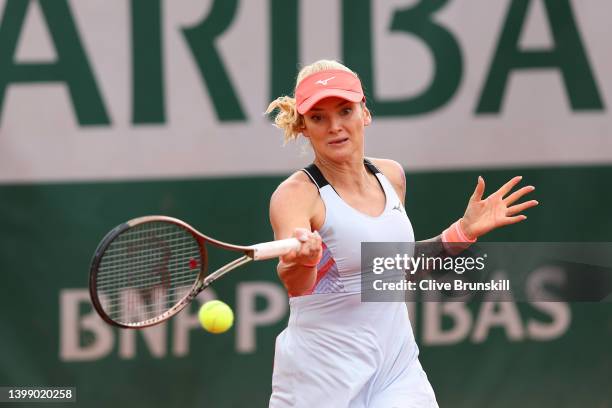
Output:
x,y
335,127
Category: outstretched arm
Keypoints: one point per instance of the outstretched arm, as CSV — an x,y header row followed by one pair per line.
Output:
x,y
291,209
497,210
481,215
484,215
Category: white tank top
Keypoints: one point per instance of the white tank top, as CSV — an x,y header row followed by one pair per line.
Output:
x,y
345,228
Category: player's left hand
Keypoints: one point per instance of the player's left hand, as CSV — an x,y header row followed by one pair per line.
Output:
x,y
482,216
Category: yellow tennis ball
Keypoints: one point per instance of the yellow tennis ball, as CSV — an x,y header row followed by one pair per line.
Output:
x,y
216,317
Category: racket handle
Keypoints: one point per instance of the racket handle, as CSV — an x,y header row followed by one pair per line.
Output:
x,y
274,249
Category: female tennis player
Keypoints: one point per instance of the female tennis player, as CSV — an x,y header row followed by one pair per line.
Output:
x,y
338,351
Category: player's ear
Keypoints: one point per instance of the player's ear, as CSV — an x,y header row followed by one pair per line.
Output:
x,y
367,116
304,131
301,124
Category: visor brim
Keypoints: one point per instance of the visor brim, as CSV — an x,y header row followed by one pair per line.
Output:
x,y
328,93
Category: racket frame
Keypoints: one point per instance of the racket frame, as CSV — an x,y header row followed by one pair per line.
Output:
x,y
202,281
254,252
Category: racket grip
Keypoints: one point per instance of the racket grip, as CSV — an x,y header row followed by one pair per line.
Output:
x,y
274,249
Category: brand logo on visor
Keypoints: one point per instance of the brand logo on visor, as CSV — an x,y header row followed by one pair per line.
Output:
x,y
324,81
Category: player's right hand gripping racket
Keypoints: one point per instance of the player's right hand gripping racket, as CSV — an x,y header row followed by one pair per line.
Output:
x,y
148,269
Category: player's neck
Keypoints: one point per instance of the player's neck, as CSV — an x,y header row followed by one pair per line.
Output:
x,y
350,175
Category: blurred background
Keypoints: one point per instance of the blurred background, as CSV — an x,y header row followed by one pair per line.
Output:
x,y
112,110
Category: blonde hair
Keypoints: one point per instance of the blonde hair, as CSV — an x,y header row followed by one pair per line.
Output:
x,y
288,119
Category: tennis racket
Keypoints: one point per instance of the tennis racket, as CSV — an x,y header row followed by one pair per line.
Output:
x,y
148,269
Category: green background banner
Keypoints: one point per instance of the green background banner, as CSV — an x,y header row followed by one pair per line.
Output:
x,y
498,359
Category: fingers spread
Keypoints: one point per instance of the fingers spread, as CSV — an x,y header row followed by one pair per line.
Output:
x,y
479,191
515,219
515,209
518,194
505,189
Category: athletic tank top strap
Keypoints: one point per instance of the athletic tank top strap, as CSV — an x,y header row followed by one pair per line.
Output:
x,y
370,166
320,181
315,176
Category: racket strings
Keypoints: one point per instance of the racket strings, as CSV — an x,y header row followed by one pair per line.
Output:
x,y
176,244
146,270
137,307
143,264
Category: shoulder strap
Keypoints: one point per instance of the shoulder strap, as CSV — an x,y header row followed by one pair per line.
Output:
x,y
370,166
315,176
